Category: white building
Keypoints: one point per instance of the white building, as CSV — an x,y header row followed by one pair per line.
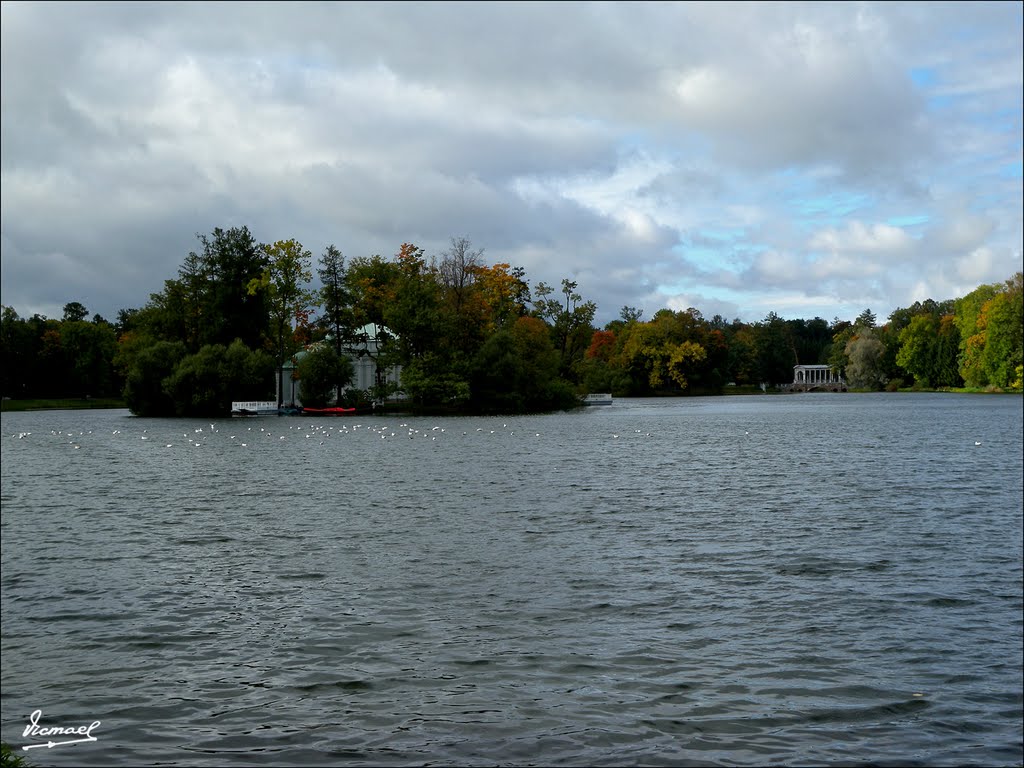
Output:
x,y
817,377
364,354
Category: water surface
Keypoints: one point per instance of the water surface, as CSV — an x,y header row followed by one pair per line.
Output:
x,y
802,579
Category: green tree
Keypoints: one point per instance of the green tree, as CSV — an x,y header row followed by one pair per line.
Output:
x,y
228,263
835,355
928,347
630,314
571,322
51,366
323,372
89,354
74,311
18,353
865,319
197,387
743,360
972,338
205,383
946,370
428,381
336,299
516,371
917,349
775,353
248,373
413,309
1001,321
151,364
864,352
284,283
337,317
811,339
188,302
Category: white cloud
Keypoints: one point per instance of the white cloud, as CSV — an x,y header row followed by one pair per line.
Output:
x,y
858,238
975,267
736,154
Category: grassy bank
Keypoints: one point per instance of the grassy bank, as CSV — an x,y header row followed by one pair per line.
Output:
x,y
61,404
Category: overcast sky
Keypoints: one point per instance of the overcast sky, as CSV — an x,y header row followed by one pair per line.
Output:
x,y
804,159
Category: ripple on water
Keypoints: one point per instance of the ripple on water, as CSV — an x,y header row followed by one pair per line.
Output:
x,y
523,591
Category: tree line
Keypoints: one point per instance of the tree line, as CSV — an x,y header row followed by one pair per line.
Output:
x,y
468,335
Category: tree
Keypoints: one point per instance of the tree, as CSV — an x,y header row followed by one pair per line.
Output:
x,y
414,310
972,338
811,339
630,314
52,362
89,354
1001,320
229,262
865,319
503,295
248,373
75,311
204,383
335,298
371,281
743,363
126,320
337,316
775,354
928,347
196,385
917,352
465,311
189,297
657,356
602,345
283,281
835,355
144,390
323,372
864,351
516,370
682,360
945,369
18,354
457,273
570,322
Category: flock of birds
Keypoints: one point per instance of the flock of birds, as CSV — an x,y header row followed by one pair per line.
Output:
x,y
246,435
250,435
320,432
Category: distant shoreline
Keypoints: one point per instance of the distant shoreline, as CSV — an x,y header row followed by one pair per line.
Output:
x,y
8,405
61,404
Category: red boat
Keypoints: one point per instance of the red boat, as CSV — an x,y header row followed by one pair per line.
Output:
x,y
327,411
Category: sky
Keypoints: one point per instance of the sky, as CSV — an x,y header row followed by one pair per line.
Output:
x,y
807,159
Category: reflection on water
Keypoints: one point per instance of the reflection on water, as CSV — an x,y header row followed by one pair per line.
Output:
x,y
802,579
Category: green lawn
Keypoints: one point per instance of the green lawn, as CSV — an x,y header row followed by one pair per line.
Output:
x,y
61,403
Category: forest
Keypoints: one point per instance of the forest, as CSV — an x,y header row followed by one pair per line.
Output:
x,y
469,337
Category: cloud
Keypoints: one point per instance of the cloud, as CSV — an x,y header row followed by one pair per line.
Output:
x,y
799,157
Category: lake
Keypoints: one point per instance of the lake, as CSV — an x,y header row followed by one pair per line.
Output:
x,y
792,579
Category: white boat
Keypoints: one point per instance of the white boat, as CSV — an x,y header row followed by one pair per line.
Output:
x,y
599,398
